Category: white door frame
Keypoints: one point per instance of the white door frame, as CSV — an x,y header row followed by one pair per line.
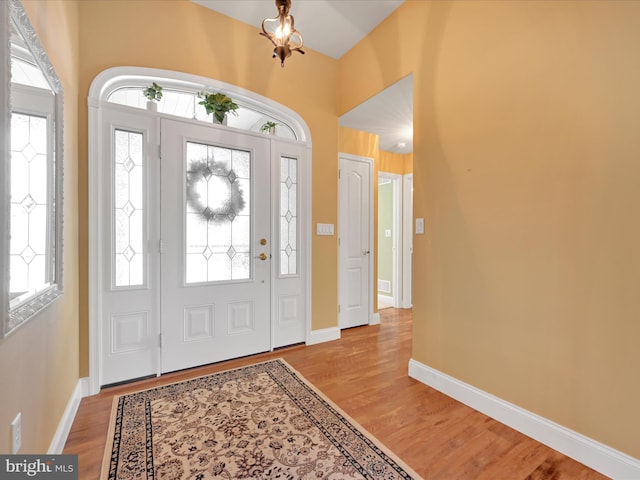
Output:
x,y
397,235
407,241
373,318
106,82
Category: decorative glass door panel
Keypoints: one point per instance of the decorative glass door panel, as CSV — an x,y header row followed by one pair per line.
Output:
x,y
128,212
217,213
288,216
287,289
128,219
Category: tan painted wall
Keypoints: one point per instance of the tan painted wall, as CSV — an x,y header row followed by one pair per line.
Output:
x,y
182,36
394,162
407,162
39,361
526,170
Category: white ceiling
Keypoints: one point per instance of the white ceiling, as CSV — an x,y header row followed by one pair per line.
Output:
x,y
333,27
389,114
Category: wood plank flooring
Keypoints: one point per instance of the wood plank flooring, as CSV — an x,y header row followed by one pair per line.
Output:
x,y
365,373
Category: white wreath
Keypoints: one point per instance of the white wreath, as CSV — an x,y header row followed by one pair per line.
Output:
x,y
202,171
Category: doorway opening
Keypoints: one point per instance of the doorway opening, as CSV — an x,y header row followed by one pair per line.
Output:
x,y
395,240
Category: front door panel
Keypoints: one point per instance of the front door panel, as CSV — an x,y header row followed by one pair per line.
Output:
x,y
216,244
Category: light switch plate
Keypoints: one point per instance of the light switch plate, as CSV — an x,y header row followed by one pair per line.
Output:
x,y
324,229
419,226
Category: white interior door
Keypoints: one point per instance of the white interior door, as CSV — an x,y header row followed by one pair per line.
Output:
x,y
355,241
215,244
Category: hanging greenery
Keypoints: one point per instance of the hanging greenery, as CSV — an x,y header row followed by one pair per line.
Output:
x,y
218,104
269,127
201,172
153,92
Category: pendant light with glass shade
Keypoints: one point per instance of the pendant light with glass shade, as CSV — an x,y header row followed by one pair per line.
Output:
x,y
282,33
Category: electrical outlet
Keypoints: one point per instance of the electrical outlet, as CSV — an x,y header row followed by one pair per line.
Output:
x,y
16,434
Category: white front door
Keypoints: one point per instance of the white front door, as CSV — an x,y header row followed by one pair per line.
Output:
x,y
225,208
215,244
355,243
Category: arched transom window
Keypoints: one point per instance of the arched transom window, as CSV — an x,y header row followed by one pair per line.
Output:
x,y
182,101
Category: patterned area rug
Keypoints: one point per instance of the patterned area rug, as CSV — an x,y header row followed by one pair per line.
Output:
x,y
264,421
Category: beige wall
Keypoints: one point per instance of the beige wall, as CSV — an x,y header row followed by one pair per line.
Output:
x,y
39,361
182,36
397,163
526,171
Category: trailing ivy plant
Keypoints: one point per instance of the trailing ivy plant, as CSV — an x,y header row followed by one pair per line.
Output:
x,y
268,127
217,103
153,93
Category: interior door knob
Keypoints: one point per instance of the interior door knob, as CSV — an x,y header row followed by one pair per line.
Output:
x,y
262,256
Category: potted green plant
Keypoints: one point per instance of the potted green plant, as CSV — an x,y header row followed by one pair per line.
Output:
x,y
153,94
219,104
269,128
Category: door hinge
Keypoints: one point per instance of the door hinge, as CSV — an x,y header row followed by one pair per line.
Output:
x,y
160,151
160,340
160,246
339,173
338,308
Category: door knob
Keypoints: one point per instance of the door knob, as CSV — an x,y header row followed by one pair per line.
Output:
x,y
263,241
262,256
366,252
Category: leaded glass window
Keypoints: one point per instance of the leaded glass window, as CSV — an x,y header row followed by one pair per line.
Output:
x,y
218,222
30,207
288,216
128,209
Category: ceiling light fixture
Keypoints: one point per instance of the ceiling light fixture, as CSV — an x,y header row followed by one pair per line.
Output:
x,y
281,32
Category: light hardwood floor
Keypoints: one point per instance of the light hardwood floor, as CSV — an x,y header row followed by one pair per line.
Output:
x,y
365,374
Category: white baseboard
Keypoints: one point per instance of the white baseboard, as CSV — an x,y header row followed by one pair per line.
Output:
x,y
64,426
85,387
604,459
323,335
375,319
385,299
